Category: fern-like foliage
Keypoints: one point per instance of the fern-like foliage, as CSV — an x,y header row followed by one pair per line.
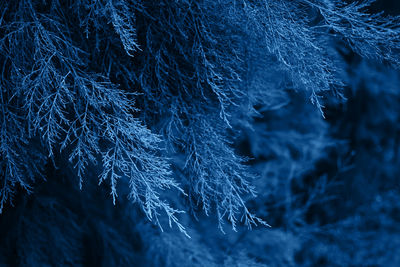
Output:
x,y
135,87
72,108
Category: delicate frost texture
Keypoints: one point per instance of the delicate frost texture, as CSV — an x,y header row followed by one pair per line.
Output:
x,y
72,109
152,92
